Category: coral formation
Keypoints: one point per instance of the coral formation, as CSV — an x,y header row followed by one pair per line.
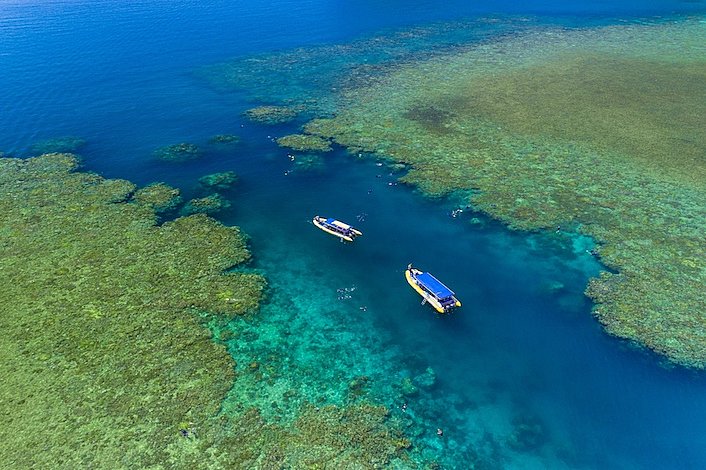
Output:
x,y
159,196
215,181
102,353
309,79
67,144
305,142
528,433
105,358
178,152
273,114
224,139
559,130
210,204
308,162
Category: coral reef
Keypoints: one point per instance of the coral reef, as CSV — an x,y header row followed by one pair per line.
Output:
x,y
273,114
178,152
215,181
105,357
102,353
67,144
210,204
308,162
558,129
159,196
305,142
309,79
426,380
224,139
528,434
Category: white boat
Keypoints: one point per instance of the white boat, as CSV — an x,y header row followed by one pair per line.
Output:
x,y
337,228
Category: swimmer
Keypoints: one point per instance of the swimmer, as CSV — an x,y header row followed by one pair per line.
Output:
x,y
404,407
439,432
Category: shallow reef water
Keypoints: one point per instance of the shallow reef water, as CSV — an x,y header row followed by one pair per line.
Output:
x,y
340,366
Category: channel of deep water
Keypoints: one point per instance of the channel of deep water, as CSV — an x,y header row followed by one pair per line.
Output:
x,y
521,376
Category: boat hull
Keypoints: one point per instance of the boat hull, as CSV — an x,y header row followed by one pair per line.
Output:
x,y
430,299
342,236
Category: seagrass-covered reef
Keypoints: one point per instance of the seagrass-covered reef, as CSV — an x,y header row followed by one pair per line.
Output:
x,y
598,130
105,357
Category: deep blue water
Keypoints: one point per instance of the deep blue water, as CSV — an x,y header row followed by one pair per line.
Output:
x,y
121,75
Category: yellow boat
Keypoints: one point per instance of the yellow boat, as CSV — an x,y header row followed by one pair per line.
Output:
x,y
432,290
337,228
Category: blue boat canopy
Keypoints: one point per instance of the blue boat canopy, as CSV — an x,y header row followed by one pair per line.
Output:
x,y
434,286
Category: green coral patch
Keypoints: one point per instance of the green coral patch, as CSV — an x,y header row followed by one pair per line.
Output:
x,y
158,196
106,360
273,114
210,204
100,358
598,130
646,110
305,142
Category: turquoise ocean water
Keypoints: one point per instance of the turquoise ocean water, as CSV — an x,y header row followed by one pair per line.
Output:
x,y
521,377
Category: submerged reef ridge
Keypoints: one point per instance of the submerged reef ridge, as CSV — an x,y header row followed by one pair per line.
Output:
x,y
66,144
308,80
224,139
223,180
178,152
309,162
598,130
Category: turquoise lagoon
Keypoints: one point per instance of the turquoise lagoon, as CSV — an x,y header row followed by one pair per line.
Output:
x,y
520,377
